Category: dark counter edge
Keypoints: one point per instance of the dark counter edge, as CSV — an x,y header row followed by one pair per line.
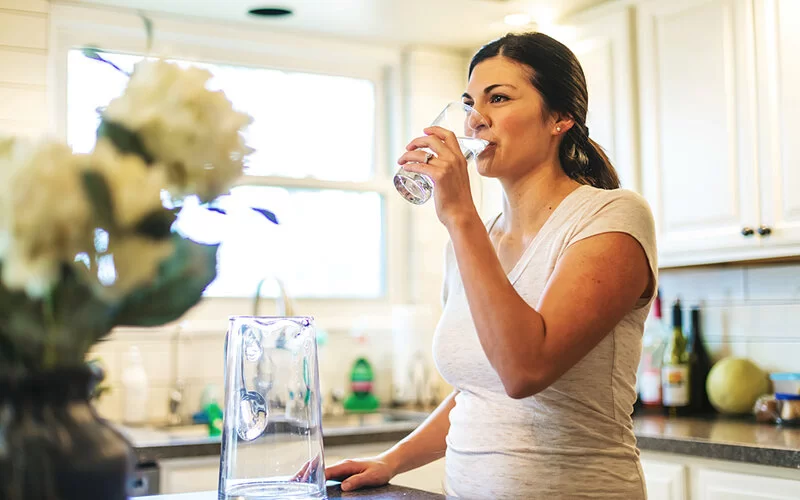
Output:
x,y
774,457
334,492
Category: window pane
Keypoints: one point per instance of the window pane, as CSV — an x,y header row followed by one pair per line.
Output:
x,y
328,242
300,120
91,85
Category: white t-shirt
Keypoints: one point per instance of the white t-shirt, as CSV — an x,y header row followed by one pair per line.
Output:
x,y
574,439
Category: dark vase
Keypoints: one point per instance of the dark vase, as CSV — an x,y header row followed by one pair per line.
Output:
x,y
54,446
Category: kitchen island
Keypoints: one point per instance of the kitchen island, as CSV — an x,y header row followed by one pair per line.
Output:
x,y
389,492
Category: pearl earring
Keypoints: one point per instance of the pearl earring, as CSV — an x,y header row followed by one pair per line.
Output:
x,y
558,129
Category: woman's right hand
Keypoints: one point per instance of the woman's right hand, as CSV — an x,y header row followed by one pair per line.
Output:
x,y
361,473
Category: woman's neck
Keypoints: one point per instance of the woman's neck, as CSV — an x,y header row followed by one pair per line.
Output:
x,y
529,200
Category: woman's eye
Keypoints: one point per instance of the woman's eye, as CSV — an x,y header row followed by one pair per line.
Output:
x,y
468,103
498,98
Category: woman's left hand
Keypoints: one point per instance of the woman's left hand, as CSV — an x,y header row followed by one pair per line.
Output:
x,y
447,169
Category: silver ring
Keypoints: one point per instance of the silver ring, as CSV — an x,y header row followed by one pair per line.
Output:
x,y
428,157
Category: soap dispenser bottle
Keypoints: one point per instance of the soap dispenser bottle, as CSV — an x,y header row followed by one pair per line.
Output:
x,y
135,389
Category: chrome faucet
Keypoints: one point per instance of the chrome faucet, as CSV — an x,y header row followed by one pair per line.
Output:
x,y
178,387
264,381
282,302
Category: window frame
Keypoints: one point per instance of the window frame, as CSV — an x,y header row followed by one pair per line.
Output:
x,y
239,45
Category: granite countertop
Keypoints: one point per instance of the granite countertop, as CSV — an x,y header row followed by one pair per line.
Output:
x,y
736,439
334,492
154,444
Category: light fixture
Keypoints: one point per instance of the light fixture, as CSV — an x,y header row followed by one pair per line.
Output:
x,y
520,19
270,12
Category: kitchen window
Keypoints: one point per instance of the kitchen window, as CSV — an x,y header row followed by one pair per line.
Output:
x,y
318,166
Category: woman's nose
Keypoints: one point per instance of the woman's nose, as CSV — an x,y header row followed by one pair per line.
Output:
x,y
476,121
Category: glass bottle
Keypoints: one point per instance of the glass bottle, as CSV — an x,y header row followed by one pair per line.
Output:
x,y
675,372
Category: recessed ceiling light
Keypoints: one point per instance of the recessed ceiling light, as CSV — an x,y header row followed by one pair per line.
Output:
x,y
517,19
270,12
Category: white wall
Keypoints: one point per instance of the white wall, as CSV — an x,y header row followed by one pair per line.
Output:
x,y
23,67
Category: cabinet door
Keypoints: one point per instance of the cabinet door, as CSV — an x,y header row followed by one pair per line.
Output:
x,y
664,480
718,485
778,43
602,42
697,116
188,475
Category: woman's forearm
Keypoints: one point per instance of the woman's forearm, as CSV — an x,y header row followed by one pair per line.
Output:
x,y
426,444
511,332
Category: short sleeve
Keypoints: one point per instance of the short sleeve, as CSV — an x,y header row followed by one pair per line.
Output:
x,y
622,211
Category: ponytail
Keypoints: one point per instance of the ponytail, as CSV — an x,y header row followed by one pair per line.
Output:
x,y
585,161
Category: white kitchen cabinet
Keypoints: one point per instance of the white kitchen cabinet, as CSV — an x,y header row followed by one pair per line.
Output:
x,y
778,43
677,476
187,475
664,480
713,484
602,41
698,127
718,86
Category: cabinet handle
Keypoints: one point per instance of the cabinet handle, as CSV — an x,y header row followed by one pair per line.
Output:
x,y
764,231
747,231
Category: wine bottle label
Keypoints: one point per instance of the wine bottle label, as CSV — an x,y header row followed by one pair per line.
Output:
x,y
650,387
675,385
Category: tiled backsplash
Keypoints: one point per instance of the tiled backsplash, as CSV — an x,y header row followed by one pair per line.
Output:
x,y
750,311
200,362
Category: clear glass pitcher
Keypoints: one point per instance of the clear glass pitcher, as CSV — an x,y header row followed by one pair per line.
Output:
x,y
272,435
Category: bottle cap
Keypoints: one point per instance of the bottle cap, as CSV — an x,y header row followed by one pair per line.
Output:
x,y
677,314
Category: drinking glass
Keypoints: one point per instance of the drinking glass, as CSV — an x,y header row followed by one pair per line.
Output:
x,y
462,120
272,433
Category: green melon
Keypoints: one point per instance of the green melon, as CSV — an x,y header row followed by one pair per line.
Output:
x,y
734,384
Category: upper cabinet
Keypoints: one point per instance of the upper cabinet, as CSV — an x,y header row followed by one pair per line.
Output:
x,y
716,84
602,41
697,100
778,81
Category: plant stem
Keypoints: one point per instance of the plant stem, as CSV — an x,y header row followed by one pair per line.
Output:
x,y
51,331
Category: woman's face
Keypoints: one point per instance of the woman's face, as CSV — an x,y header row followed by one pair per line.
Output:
x,y
521,133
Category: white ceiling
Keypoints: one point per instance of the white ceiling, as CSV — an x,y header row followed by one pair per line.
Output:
x,y
443,23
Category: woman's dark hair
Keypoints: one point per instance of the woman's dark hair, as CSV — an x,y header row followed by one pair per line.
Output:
x,y
558,77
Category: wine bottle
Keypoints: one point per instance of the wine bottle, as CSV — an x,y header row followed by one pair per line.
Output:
x,y
699,366
653,343
675,371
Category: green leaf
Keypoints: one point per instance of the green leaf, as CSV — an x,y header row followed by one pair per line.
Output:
x,y
156,225
124,140
148,29
266,213
94,53
178,286
99,195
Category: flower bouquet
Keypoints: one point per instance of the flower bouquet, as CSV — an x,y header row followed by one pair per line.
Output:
x,y
87,244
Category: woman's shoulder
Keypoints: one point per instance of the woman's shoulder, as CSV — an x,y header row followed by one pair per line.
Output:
x,y
619,202
619,195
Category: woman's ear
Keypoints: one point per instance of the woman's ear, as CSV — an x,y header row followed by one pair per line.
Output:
x,y
562,125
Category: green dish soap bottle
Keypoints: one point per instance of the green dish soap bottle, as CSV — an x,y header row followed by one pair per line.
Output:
x,y
361,400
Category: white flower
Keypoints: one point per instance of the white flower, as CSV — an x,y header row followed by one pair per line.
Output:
x,y
194,133
12,152
46,215
135,187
